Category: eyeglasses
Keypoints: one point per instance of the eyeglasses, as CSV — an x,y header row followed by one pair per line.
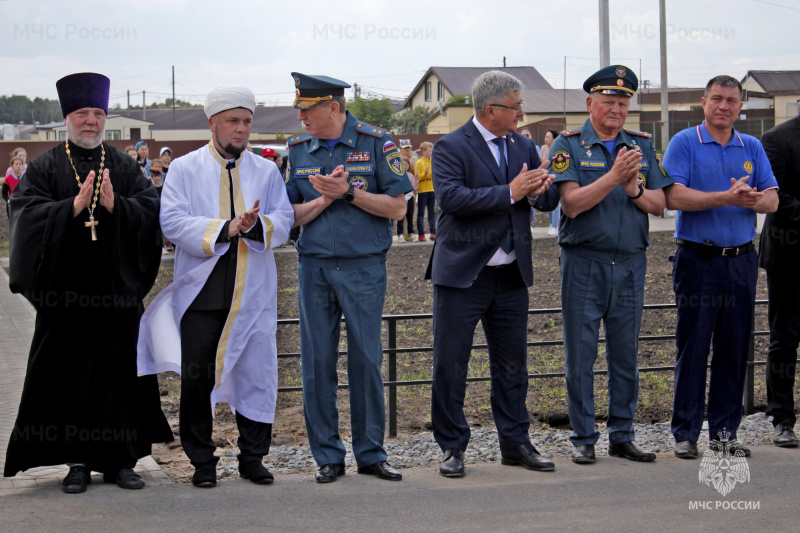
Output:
x,y
516,109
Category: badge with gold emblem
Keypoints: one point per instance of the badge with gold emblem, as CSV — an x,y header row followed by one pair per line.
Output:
x,y
748,167
560,161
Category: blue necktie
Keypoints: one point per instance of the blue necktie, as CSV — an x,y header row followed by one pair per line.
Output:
x,y
507,242
501,144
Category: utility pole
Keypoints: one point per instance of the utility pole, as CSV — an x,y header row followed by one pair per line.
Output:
x,y
662,13
129,98
605,39
144,108
173,97
504,61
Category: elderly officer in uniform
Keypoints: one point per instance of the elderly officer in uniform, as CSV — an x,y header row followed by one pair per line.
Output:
x,y
609,180
346,183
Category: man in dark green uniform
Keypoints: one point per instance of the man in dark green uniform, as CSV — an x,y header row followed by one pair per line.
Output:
x,y
346,183
609,180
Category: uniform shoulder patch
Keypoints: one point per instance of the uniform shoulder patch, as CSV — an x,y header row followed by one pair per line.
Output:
x,y
638,133
369,129
559,161
570,133
297,139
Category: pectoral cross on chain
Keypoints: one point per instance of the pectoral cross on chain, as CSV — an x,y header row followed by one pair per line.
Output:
x,y
91,224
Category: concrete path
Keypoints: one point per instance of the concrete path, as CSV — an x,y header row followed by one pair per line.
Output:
x,y
17,320
612,495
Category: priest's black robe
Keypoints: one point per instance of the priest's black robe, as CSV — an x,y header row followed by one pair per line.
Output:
x,y
82,400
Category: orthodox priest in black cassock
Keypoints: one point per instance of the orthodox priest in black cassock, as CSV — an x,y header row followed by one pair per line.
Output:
x,y
86,269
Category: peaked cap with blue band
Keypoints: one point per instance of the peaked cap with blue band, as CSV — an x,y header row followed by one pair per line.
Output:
x,y
85,89
614,79
311,90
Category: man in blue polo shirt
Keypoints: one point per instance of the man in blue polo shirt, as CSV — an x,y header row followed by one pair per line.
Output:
x,y
346,181
722,179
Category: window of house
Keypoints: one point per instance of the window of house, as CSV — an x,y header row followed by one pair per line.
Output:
x,y
427,91
113,135
440,88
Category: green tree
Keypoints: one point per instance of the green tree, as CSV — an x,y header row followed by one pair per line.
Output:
x,y
457,99
413,122
18,108
376,112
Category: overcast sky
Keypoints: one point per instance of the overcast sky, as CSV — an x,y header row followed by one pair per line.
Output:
x,y
384,46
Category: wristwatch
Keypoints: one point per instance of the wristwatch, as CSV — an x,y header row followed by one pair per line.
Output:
x,y
641,192
350,195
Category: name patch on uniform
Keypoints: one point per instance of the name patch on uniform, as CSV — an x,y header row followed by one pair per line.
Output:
x,y
583,163
358,156
363,168
645,164
359,182
308,171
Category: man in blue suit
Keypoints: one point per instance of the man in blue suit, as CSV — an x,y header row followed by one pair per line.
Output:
x,y
486,177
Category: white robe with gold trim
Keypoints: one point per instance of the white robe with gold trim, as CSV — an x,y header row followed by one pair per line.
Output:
x,y
195,204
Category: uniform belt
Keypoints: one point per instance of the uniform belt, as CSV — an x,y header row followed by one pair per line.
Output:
x,y
341,262
730,251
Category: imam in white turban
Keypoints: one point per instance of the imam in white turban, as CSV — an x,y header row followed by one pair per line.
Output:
x,y
224,98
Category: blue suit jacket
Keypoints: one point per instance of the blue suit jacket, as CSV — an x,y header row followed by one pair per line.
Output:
x,y
475,206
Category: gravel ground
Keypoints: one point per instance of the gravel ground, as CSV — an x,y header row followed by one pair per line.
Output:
x,y
421,450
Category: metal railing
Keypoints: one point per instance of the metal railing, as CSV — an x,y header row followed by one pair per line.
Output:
x,y
392,350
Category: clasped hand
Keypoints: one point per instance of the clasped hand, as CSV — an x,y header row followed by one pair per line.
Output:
x,y
332,186
626,170
244,222
742,195
85,195
531,182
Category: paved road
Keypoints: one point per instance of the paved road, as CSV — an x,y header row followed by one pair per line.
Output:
x,y
612,495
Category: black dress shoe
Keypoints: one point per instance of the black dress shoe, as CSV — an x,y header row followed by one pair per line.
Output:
x,y
583,454
125,479
527,456
631,450
205,475
382,470
256,472
76,481
452,463
784,436
733,447
686,449
329,473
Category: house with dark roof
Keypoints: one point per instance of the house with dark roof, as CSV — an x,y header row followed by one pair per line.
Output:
x,y
545,108
773,89
439,84
192,124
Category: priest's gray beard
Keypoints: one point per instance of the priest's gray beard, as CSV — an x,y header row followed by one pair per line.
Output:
x,y
78,138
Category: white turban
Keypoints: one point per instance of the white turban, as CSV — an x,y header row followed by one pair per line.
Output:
x,y
224,98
